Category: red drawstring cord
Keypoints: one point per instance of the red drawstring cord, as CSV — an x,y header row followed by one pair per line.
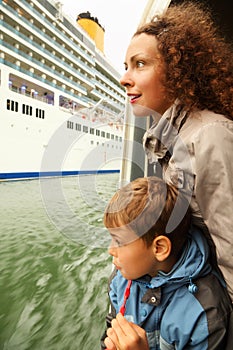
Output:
x,y
126,296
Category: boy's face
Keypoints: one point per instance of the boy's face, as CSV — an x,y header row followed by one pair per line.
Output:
x,y
133,259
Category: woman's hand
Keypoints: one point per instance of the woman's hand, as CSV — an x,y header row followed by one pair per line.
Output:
x,y
124,335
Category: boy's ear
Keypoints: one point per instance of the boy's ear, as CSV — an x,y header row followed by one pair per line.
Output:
x,y
162,247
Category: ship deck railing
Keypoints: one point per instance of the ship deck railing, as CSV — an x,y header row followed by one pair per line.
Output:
x,y
56,59
59,33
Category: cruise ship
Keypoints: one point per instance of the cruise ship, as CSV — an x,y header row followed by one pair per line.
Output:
x,y
61,103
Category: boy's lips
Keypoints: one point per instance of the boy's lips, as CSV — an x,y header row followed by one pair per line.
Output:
x,y
116,266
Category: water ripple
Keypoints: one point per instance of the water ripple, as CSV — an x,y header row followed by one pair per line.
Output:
x,y
53,286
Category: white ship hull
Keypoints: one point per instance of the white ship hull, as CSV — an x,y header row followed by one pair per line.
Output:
x,y
73,133
32,146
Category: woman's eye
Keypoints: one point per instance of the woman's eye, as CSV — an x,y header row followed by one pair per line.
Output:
x,y
140,64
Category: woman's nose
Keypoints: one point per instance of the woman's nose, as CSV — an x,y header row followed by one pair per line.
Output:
x,y
126,80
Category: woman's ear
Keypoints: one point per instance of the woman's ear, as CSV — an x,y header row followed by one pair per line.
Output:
x,y
162,247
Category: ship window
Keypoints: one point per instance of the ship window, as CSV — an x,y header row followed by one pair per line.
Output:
x,y
112,137
70,125
92,142
92,131
103,133
108,135
12,105
97,133
26,109
120,138
85,128
78,127
39,113
116,138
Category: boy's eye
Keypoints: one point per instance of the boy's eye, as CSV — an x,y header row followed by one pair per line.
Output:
x,y
116,242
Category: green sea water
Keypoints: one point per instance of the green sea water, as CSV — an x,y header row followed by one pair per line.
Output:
x,y
54,263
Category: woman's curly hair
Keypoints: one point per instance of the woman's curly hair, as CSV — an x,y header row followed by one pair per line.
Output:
x,y
198,61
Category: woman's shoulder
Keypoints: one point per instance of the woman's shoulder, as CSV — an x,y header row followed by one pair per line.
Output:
x,y
206,118
199,124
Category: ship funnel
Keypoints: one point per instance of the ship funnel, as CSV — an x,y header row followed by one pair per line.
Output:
x,y
92,26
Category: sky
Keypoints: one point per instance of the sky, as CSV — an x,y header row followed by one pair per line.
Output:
x,y
120,19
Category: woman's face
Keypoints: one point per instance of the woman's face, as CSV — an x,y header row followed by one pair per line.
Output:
x,y
143,78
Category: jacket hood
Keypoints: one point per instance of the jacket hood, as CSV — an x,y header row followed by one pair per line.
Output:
x,y
192,264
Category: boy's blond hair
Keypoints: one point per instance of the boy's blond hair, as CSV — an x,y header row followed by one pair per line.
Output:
x,y
145,206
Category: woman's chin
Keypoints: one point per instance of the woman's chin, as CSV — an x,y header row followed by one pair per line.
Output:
x,y
142,111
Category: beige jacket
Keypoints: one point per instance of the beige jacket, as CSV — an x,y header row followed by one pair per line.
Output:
x,y
200,161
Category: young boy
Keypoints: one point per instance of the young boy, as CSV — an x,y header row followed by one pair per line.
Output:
x,y
163,282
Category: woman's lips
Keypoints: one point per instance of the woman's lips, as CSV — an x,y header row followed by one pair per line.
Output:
x,y
133,98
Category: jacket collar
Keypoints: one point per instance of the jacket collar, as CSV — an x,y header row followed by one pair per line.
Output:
x,y
192,264
158,140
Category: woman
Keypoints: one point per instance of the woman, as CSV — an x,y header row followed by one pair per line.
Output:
x,y
180,70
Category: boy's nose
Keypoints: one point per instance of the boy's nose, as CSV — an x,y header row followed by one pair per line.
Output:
x,y
112,251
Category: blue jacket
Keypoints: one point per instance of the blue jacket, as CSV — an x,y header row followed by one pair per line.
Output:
x,y
187,308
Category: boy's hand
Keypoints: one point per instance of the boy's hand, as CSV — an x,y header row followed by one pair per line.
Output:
x,y
124,335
